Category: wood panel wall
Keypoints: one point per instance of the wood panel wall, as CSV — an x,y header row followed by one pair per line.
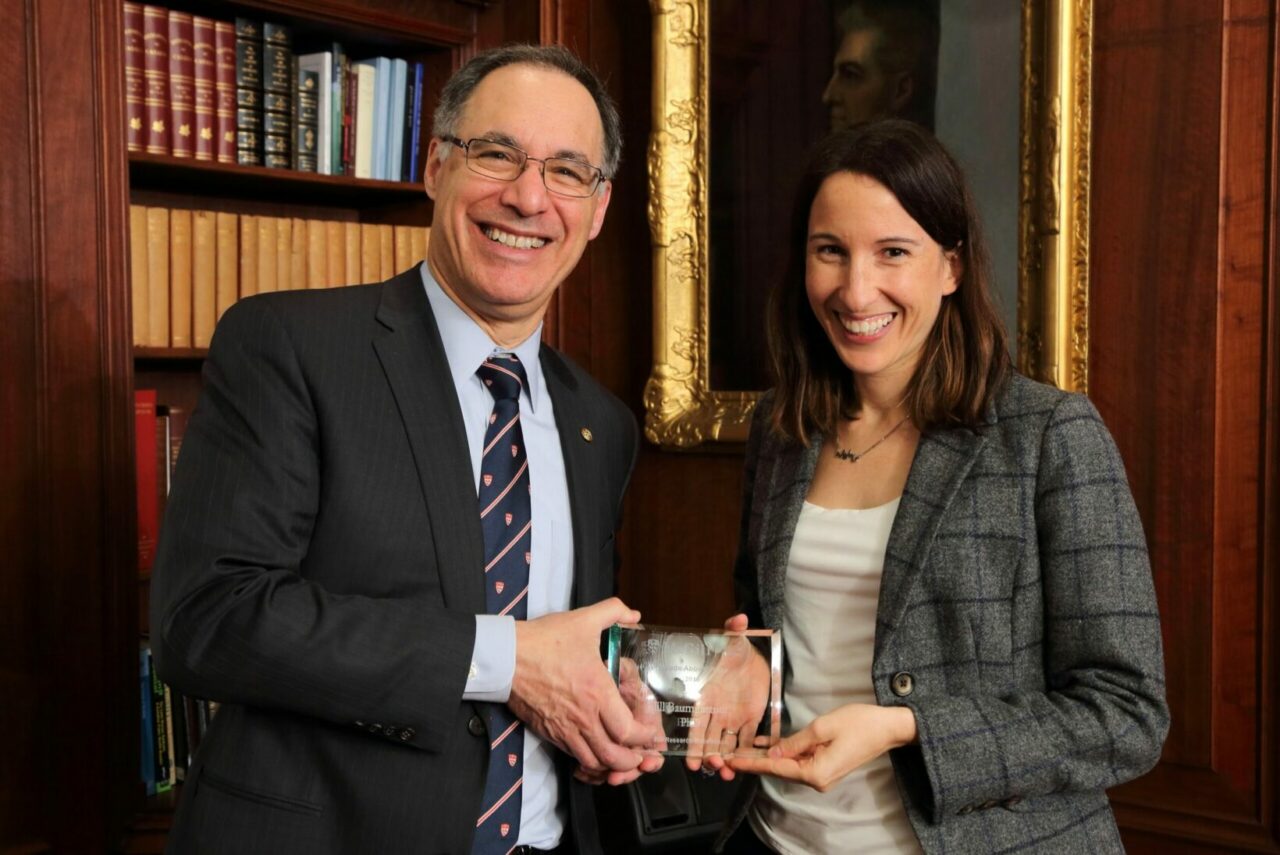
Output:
x,y
1183,365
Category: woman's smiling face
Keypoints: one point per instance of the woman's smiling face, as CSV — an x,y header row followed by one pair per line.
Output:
x,y
874,278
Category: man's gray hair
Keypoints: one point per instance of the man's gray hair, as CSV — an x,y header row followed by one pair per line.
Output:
x,y
456,93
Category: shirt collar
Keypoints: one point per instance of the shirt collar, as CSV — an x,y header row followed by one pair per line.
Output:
x,y
466,345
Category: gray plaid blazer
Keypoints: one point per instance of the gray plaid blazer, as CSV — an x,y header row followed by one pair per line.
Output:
x,y
1017,619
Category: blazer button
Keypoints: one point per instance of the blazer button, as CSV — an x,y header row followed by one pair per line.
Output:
x,y
375,728
902,684
406,734
476,726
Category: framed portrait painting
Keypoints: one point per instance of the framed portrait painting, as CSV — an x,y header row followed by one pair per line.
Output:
x,y
743,89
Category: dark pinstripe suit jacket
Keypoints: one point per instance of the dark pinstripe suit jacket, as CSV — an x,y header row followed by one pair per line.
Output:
x,y
319,570
1017,595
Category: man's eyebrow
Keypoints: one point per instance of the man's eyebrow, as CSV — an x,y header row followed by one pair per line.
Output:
x,y
507,139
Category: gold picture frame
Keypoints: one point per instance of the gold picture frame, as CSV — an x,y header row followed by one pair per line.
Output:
x,y
681,408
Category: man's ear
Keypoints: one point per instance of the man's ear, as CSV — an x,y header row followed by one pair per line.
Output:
x,y
431,174
597,219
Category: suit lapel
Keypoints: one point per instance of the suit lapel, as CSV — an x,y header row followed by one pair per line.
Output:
x,y
942,462
580,467
413,358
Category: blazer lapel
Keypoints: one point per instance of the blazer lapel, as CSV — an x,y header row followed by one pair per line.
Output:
x,y
579,468
786,485
942,462
413,358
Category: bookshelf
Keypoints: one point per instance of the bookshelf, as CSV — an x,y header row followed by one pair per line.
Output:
x,y
73,606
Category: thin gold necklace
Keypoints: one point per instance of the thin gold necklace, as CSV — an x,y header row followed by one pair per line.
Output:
x,y
848,455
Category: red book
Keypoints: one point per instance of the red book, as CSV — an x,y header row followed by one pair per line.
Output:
x,y
148,475
349,119
224,45
182,83
135,81
205,73
155,74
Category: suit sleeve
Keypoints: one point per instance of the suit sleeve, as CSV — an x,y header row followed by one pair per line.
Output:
x,y
1102,716
232,618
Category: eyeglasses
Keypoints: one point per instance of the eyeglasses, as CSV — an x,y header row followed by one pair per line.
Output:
x,y
561,175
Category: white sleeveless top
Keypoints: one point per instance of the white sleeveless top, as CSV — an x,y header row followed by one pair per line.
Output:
x,y
832,589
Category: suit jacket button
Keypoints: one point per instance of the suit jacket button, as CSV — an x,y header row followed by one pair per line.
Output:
x,y
902,684
375,728
476,726
406,734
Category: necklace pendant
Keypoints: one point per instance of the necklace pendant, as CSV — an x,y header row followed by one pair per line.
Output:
x,y
847,455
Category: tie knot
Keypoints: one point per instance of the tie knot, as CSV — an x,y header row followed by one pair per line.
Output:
x,y
503,375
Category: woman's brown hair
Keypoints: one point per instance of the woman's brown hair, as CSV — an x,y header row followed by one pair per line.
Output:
x,y
964,362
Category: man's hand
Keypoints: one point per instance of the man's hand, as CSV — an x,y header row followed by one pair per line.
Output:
x,y
833,745
563,691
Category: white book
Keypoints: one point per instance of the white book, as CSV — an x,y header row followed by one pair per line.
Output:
x,y
366,83
322,64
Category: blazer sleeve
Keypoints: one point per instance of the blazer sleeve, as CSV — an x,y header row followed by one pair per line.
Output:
x,y
746,585
232,618
1102,716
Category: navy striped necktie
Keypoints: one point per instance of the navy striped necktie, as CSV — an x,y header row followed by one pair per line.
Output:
x,y
507,521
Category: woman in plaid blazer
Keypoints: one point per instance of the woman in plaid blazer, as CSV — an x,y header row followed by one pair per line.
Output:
x,y
1013,670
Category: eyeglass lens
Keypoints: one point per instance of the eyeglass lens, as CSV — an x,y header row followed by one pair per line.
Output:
x,y
560,174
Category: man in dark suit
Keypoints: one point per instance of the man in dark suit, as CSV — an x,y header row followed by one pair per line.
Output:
x,y
390,540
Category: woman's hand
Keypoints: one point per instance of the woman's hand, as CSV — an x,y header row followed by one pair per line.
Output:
x,y
730,706
833,745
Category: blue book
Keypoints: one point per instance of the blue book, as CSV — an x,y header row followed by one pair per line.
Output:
x,y
148,722
415,123
381,97
395,120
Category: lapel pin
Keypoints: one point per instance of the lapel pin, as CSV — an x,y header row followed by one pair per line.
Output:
x,y
586,434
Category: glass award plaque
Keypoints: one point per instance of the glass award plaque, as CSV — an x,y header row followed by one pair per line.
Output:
x,y
715,691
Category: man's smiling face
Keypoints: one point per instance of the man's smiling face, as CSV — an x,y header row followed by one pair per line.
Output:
x,y
500,248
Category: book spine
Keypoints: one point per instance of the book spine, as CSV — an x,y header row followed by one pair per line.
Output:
x,y
396,119
179,278
163,756
381,115
138,273
335,244
182,83
350,105
337,99
204,277
284,254
148,744
157,277
413,128
403,244
266,254
306,103
366,79
354,266
248,255
228,263
135,80
418,237
298,255
370,265
248,92
155,41
278,84
144,432
317,255
206,74
224,46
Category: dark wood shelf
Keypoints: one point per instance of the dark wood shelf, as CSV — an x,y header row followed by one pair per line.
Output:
x,y
185,175
170,354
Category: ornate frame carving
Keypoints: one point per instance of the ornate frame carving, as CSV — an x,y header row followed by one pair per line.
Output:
x,y
681,410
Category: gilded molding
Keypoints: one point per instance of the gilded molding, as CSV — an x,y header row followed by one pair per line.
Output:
x,y
681,408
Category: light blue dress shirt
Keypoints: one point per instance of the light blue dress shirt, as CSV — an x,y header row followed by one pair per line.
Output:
x,y
493,660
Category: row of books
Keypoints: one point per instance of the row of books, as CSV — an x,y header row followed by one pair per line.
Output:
x,y
172,727
235,92
188,267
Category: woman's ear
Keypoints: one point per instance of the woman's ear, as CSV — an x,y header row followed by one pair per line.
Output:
x,y
955,269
